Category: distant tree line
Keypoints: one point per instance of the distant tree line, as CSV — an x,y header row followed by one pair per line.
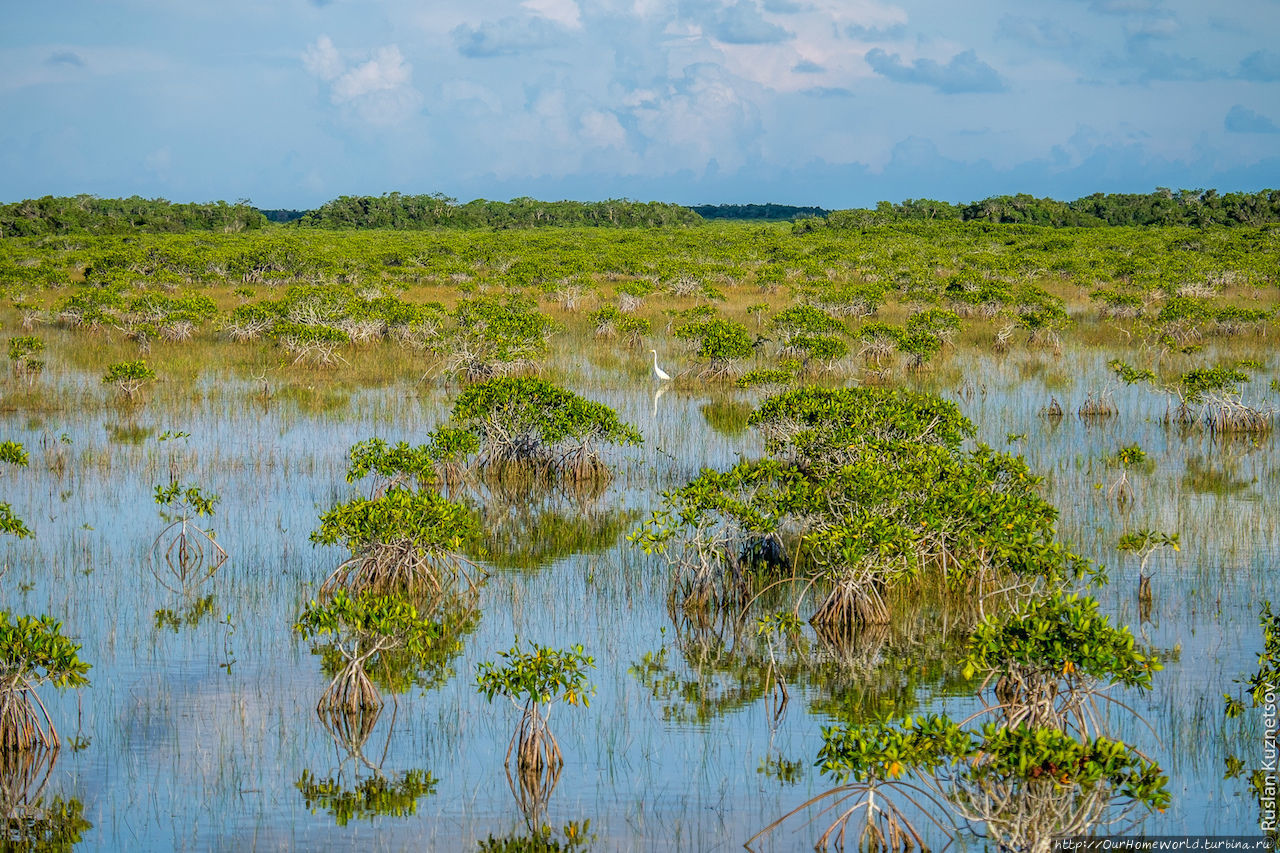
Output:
x,y
772,212
282,215
1196,207
409,212
89,214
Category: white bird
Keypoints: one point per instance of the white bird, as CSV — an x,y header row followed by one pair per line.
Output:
x,y
658,372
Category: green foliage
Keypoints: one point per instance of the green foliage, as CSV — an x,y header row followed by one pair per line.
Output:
x,y
871,487
721,342
492,337
33,651
541,675
22,353
1032,754
13,453
1263,682
811,422
382,621
887,751
376,796
765,376
1201,382
1130,455
128,376
11,525
185,500
394,210
1143,542
527,421
394,466
428,521
86,213
1058,637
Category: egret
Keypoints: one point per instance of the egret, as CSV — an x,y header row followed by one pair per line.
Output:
x,y
658,372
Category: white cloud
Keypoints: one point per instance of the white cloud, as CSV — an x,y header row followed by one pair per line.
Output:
x,y
377,89
385,71
563,12
603,130
322,59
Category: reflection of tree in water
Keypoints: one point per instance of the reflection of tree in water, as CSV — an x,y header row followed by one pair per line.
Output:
x,y
1215,475
727,417
531,529
373,796
576,835
363,797
33,821
396,670
191,614
856,674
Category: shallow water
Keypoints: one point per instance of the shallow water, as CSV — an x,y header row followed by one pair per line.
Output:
x,y
197,728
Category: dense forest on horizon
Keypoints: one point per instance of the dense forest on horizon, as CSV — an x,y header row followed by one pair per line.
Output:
x,y
770,212
393,211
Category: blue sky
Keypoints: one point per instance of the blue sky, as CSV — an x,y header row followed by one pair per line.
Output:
x,y
837,103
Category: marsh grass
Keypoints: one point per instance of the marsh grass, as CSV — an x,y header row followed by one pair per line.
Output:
x,y
184,753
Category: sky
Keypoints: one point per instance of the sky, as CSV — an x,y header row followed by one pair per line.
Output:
x,y
835,103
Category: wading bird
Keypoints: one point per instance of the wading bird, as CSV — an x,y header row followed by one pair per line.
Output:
x,y
658,372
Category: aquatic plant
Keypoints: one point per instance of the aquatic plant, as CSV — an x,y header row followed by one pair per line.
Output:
x,y
534,681
128,376
1144,543
1051,660
362,626
400,541
13,453
533,426
191,552
23,355
1126,457
1036,772
33,651
1259,689
491,338
871,487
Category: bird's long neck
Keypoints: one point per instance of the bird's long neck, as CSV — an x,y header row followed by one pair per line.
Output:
x,y
655,358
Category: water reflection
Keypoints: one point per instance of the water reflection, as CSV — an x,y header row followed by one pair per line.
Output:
x,y
34,820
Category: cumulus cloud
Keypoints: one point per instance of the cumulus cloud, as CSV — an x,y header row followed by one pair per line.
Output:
x,y
742,23
1262,66
322,59
564,12
1163,65
964,73
1043,33
377,89
1244,120
804,66
506,37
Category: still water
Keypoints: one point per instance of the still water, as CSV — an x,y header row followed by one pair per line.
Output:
x,y
199,729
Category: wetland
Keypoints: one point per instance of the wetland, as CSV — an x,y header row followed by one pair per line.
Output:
x,y
969,526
